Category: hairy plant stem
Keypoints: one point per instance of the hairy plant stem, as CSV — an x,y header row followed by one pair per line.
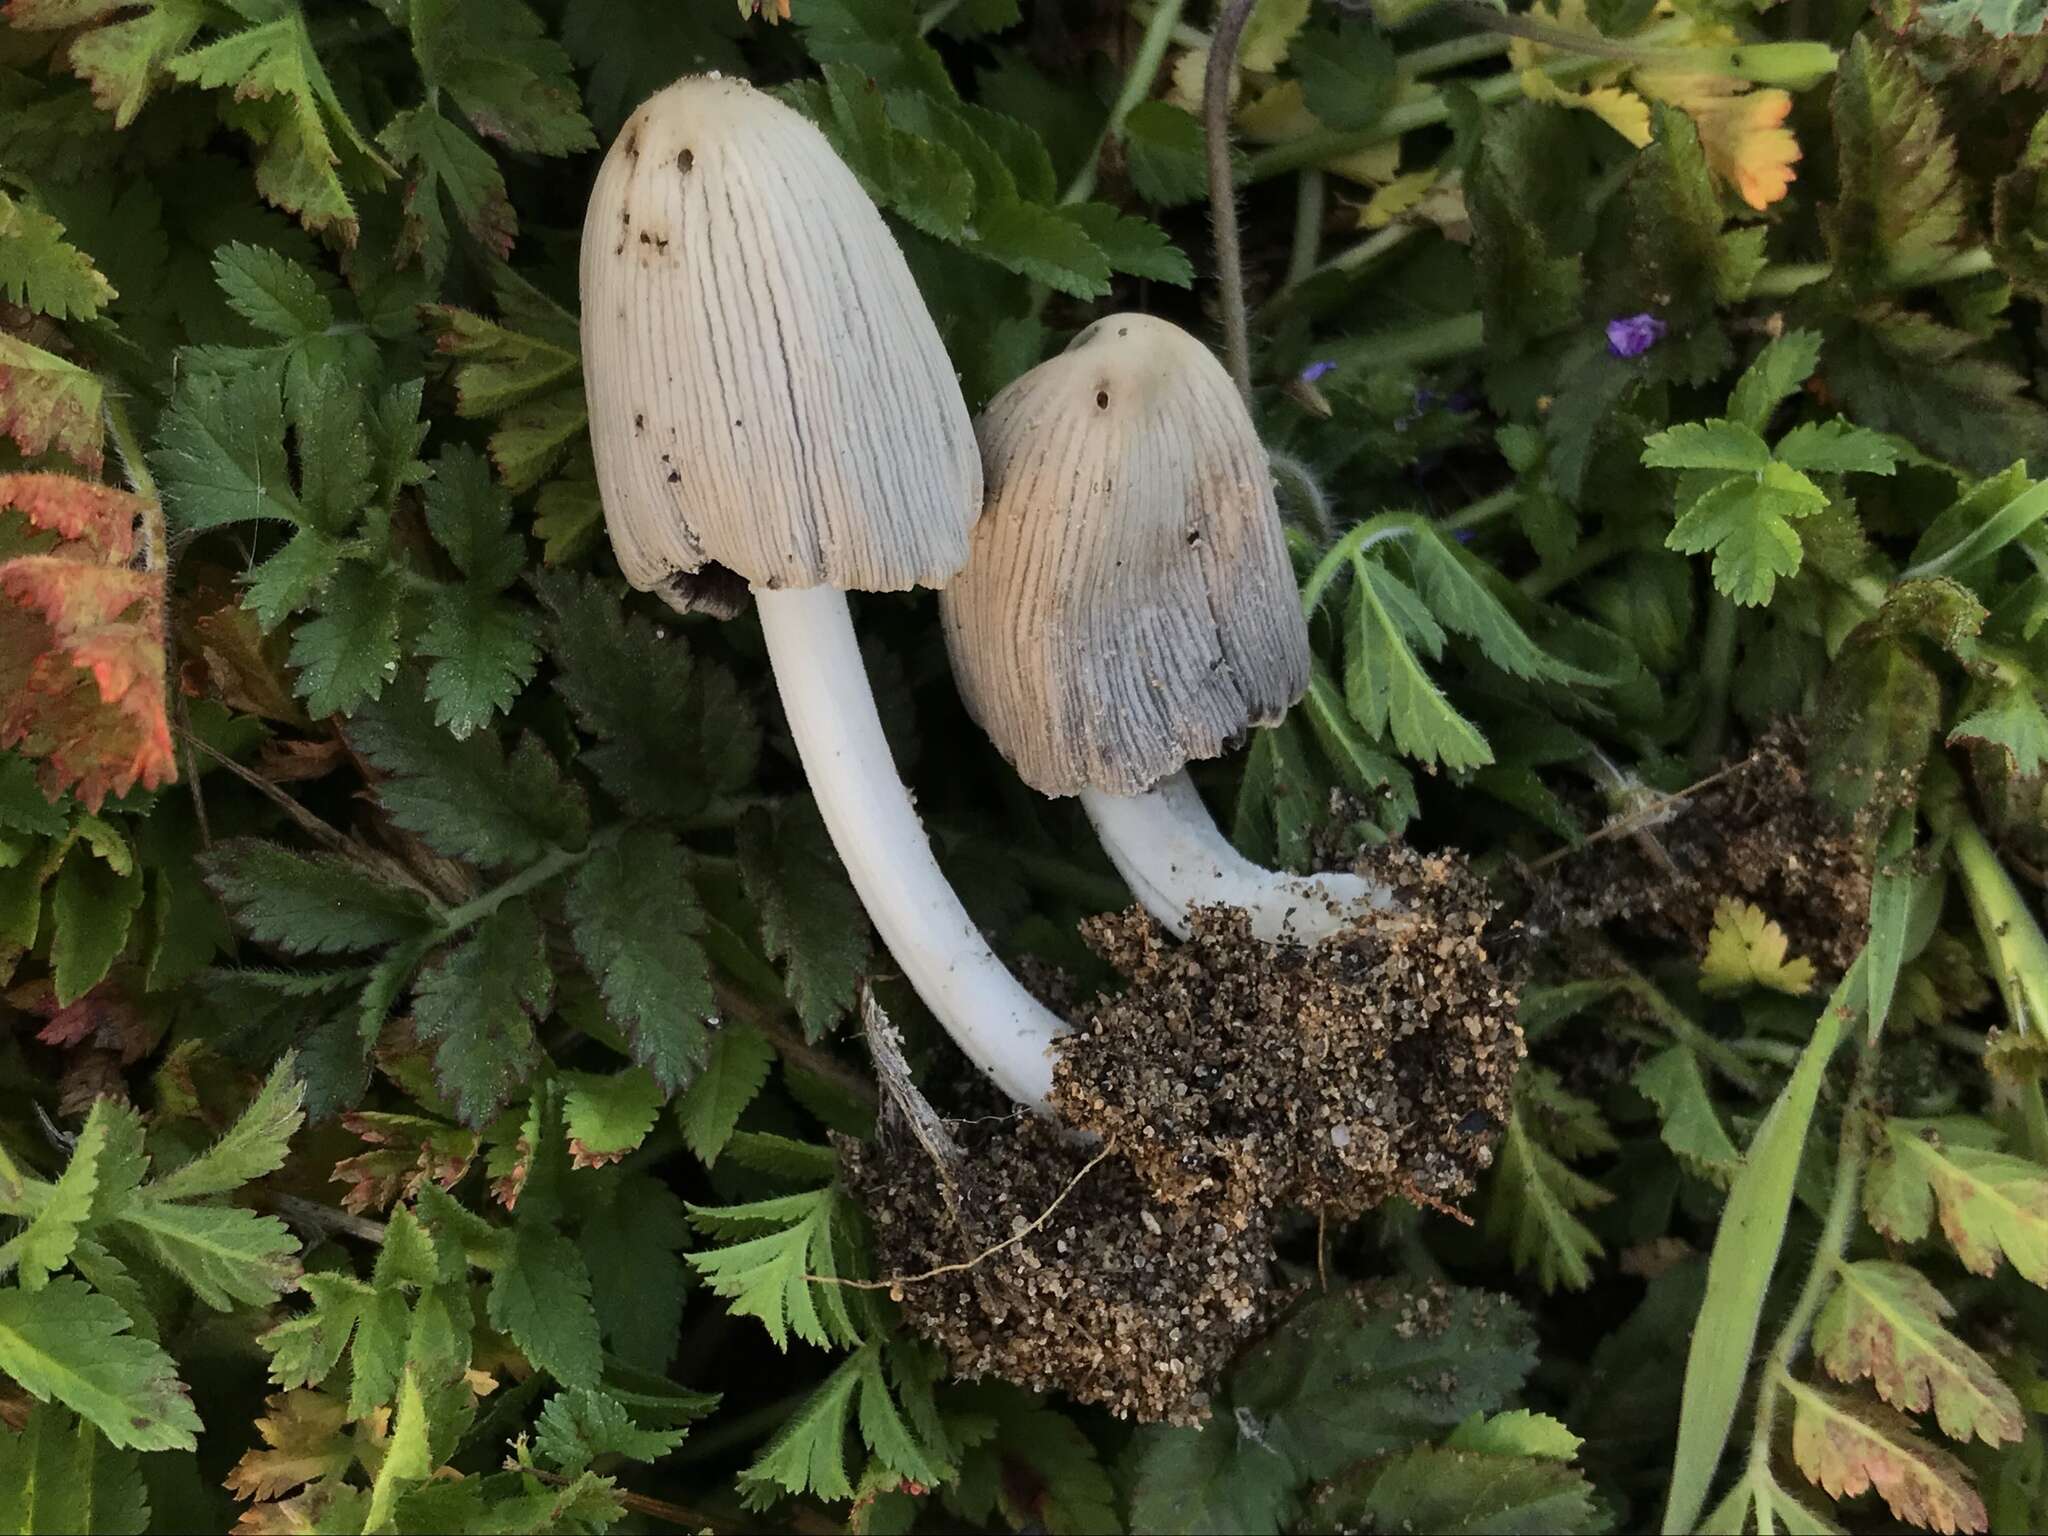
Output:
x,y
1858,1125
1790,277
1308,225
1591,554
932,19
1717,667
1425,111
1451,53
1482,511
1152,46
1683,1029
1216,106
2015,949
543,869
1356,541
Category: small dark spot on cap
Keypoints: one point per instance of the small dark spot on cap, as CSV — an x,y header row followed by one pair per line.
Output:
x,y
674,475
625,216
1194,537
633,142
1123,330
639,422
739,421
686,162
1102,399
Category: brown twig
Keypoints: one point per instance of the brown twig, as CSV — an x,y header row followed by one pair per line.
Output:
x,y
1216,102
791,1046
1643,816
327,1218
893,1282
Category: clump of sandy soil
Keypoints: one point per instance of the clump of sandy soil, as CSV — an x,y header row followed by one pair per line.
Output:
x,y
1243,1076
1756,833
1114,1299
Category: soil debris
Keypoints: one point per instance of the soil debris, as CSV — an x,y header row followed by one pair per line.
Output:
x,y
1757,834
1244,1076
1117,1299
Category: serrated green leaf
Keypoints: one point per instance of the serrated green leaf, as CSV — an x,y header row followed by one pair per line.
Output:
x,y
578,1426
477,1007
468,798
1347,79
59,1475
1690,1125
608,1115
540,1295
67,1344
735,1069
309,904
42,270
271,291
253,1146
1774,376
768,1276
633,911
1836,448
1385,687
674,731
811,919
92,906
45,1245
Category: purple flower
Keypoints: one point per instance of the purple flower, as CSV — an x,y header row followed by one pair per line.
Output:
x,y
1633,335
1315,371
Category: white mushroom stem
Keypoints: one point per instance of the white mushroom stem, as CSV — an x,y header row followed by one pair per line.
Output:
x,y
1003,1029
1174,859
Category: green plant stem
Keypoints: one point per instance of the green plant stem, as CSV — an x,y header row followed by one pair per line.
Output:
x,y
934,18
1686,1032
1451,53
1308,225
1717,667
1591,554
1356,541
1790,277
1482,511
1363,254
2014,946
1137,86
1426,111
740,1430
1416,346
538,873
1216,104
1857,1127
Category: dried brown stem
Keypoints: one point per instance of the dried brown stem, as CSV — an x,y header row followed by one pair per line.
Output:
x,y
1216,101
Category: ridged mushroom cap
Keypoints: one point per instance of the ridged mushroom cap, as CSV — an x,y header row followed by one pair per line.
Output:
x,y
1128,604
767,390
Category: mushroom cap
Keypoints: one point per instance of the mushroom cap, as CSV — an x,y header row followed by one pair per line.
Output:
x,y
767,390
1129,603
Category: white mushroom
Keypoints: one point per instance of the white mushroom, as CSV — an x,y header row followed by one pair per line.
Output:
x,y
770,403
1129,606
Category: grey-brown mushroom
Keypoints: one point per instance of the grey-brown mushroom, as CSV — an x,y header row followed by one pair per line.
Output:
x,y
1129,607
770,404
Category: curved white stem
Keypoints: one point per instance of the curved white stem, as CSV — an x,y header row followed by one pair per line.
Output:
x,y
1003,1029
1172,856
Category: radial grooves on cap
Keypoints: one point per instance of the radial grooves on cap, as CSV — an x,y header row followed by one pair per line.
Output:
x,y
1128,604
767,391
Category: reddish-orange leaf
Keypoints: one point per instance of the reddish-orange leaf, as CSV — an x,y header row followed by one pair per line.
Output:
x,y
81,645
106,1017
1850,1445
82,511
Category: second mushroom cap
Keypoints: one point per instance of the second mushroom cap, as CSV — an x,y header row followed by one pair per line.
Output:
x,y
1128,604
